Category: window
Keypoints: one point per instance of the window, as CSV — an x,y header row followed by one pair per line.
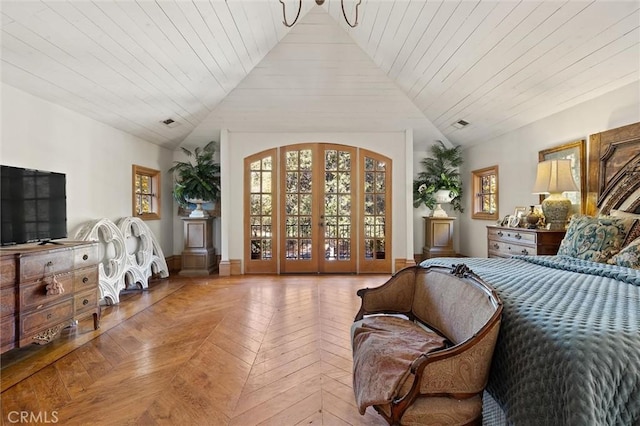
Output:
x,y
146,193
485,193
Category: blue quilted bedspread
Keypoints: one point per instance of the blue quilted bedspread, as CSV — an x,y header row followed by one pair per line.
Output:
x,y
569,346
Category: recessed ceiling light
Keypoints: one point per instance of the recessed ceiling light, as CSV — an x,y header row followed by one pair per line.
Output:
x,y
460,124
170,122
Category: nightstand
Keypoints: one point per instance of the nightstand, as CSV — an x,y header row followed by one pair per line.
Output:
x,y
506,242
438,237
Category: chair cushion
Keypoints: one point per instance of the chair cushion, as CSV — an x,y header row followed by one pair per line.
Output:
x,y
384,347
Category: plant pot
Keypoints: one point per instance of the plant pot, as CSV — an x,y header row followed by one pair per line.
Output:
x,y
198,212
443,196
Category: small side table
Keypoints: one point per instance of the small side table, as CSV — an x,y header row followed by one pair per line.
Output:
x,y
199,255
438,237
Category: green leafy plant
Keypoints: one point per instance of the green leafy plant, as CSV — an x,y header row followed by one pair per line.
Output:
x,y
440,171
199,180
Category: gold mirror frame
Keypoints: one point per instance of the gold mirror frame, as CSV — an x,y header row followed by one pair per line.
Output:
x,y
579,166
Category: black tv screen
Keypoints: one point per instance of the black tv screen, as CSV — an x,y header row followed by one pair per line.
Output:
x,y
33,205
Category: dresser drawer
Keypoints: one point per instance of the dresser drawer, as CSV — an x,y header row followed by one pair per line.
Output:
x,y
36,266
48,316
7,271
87,301
86,255
35,294
513,235
7,333
506,249
7,301
84,279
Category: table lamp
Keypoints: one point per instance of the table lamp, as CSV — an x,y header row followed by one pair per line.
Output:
x,y
554,177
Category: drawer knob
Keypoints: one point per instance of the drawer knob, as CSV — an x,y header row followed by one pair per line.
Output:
x,y
85,280
524,251
48,316
496,246
518,236
49,263
85,301
500,234
85,257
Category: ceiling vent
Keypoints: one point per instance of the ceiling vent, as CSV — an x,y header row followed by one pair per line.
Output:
x,y
460,124
170,122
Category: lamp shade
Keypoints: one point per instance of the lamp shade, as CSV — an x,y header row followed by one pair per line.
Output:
x,y
554,177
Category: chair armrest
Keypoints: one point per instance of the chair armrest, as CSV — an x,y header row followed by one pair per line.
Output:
x,y
394,296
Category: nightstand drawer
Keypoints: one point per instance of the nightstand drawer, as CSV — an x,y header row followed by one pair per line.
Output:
x,y
509,249
513,235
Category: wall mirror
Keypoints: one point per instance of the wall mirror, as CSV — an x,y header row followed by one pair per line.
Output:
x,y
576,152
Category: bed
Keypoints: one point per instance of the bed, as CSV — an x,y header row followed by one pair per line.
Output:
x,y
568,352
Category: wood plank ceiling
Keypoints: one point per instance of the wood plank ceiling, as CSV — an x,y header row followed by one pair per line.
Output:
x,y
409,63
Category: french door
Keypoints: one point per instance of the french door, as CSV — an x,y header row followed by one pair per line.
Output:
x,y
327,214
317,208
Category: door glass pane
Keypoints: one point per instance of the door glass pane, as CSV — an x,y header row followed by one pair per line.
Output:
x,y
369,164
330,227
330,182
305,159
266,182
255,182
305,204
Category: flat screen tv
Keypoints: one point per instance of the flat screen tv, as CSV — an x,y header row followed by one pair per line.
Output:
x,y
33,205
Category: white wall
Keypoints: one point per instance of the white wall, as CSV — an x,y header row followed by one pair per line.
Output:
x,y
390,144
516,154
96,159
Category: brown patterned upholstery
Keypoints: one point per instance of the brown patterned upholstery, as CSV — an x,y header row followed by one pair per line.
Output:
x,y
444,386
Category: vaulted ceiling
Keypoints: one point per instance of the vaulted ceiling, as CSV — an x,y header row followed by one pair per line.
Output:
x,y
232,64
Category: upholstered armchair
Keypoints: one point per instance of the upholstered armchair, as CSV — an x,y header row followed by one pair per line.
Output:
x,y
444,383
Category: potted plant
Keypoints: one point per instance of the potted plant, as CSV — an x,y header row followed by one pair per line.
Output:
x,y
439,181
197,182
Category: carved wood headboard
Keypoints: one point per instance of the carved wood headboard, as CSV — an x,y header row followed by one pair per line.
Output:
x,y
614,170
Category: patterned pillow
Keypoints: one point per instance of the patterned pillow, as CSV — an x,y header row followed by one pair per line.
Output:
x,y
628,256
635,231
595,238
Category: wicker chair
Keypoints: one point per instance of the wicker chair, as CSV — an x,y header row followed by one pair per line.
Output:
x,y
444,386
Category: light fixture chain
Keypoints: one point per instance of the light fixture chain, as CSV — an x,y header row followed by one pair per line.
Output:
x,y
284,14
344,14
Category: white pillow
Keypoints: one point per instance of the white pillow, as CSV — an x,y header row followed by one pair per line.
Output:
x,y
622,213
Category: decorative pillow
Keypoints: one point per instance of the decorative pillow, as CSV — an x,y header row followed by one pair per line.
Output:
x,y
635,231
595,238
628,256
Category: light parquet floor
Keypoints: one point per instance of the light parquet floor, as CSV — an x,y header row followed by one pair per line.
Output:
x,y
238,351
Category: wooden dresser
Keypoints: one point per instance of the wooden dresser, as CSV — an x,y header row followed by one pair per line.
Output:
x,y
506,242
44,288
